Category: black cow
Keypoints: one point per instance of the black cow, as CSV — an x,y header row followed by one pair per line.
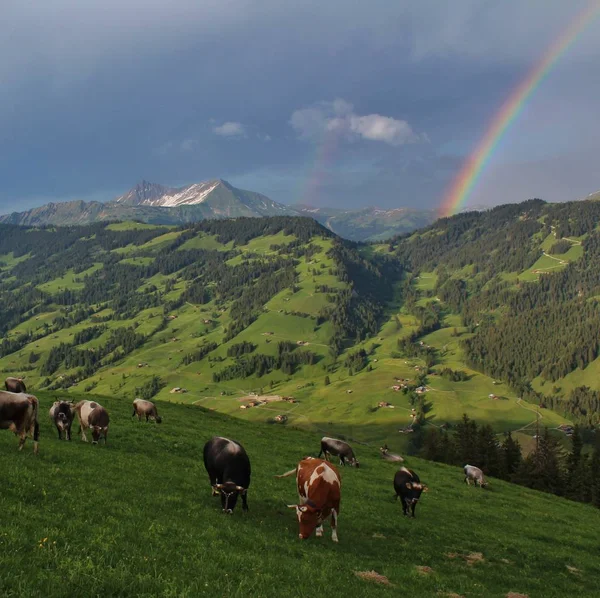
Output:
x,y
62,414
408,487
15,385
339,448
228,468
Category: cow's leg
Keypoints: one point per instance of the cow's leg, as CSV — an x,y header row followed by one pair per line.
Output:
x,y
245,501
334,536
467,481
36,436
133,414
319,530
59,433
342,461
68,433
320,453
212,476
105,436
404,505
412,508
146,418
83,436
22,438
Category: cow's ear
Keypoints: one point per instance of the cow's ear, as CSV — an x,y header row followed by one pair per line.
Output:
x,y
409,485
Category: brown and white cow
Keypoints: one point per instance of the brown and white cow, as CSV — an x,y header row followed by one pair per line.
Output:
x,y
19,413
143,408
319,489
15,385
93,416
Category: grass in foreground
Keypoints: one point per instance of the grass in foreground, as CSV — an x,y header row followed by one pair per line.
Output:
x,y
135,518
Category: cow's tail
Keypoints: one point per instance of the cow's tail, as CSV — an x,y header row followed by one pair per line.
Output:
x,y
287,474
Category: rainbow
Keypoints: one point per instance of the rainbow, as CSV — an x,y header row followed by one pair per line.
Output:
x,y
472,168
323,159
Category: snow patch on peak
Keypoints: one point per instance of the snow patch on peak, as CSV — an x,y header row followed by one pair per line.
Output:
x,y
189,196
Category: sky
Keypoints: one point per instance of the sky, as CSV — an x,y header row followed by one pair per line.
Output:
x,y
339,103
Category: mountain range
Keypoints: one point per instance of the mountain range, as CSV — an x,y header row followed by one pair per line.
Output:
x,y
216,199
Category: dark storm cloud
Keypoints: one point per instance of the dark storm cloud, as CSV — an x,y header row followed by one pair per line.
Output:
x,y
98,94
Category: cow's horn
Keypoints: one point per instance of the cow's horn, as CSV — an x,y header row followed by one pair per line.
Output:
x,y
292,506
218,486
240,489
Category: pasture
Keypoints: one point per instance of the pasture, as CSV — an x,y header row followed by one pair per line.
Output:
x,y
136,518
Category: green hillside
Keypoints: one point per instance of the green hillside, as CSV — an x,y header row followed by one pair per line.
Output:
x,y
124,310
136,517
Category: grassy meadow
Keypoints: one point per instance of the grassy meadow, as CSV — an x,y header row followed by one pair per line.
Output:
x,y
136,518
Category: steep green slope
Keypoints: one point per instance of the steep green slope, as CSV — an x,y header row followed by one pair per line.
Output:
x,y
523,280
110,309
136,517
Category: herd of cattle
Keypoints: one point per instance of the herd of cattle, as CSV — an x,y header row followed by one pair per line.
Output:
x,y
226,461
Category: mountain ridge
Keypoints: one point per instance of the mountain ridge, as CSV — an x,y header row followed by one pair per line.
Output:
x,y
154,203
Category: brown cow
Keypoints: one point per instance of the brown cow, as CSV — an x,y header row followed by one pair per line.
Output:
x,y
319,489
15,385
93,416
145,408
19,413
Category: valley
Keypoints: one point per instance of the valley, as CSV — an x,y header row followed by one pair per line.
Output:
x,y
187,325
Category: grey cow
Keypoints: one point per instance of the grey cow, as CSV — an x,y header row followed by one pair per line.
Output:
x,y
338,448
475,475
147,409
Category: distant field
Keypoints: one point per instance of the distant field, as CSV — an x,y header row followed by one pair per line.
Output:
x,y
121,226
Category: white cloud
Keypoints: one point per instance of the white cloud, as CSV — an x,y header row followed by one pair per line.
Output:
x,y
339,116
188,145
230,129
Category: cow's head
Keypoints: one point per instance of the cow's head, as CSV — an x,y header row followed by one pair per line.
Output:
x,y
229,494
62,421
309,516
414,492
354,462
98,431
158,419
384,450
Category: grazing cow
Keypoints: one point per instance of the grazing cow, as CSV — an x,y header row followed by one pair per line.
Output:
x,y
387,456
228,468
19,413
145,408
339,448
62,414
93,416
475,475
15,385
408,487
319,490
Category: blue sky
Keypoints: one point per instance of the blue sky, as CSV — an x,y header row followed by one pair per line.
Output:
x,y
97,95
